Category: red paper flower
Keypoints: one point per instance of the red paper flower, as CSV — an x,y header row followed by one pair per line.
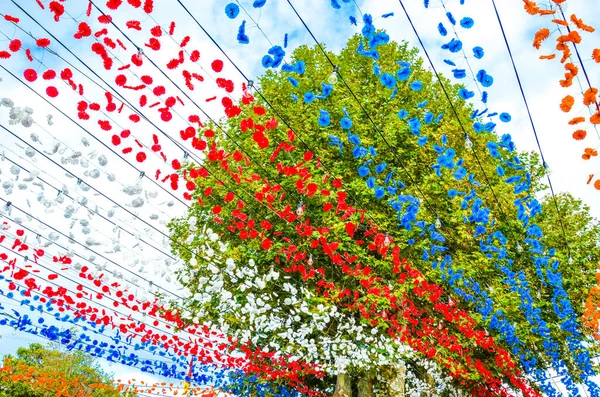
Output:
x,y
137,60
156,31
140,157
173,64
170,102
159,90
153,43
4,55
52,92
105,19
84,30
166,116
43,42
217,65
125,134
135,118
15,45
148,6
57,9
114,4
30,75
195,56
121,80
134,25
66,74
135,3
105,125
10,18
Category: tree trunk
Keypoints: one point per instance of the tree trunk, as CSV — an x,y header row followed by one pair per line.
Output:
x,y
396,380
365,386
343,388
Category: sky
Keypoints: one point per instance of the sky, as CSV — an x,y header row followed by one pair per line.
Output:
x,y
137,248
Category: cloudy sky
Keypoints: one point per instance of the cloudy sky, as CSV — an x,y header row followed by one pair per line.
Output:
x,y
266,27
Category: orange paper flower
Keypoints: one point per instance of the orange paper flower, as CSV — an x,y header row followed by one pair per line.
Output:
x,y
596,55
588,154
560,22
567,103
551,56
531,7
590,96
595,119
576,120
571,68
540,36
579,23
579,135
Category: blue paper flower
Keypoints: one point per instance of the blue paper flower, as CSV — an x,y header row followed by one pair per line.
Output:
x,y
258,3
404,73
369,54
326,89
422,140
285,40
353,20
368,31
451,18
478,127
232,10
449,62
370,183
484,96
324,119
478,52
505,117
460,173
439,118
376,69
500,170
416,85
379,192
466,94
402,114
242,37
309,97
335,4
380,167
346,123
453,46
489,127
485,79
380,38
275,57
293,81
428,119
426,3
389,14
459,73
421,105
443,31
388,80
363,171
467,22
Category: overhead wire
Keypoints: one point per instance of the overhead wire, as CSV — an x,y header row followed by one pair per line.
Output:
x,y
537,140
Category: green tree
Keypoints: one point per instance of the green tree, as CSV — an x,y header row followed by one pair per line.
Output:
x,y
226,290
48,371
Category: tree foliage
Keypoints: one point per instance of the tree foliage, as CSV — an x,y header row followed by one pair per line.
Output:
x,y
38,371
228,270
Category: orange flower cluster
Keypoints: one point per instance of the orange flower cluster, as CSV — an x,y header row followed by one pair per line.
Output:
x,y
52,382
563,46
162,388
